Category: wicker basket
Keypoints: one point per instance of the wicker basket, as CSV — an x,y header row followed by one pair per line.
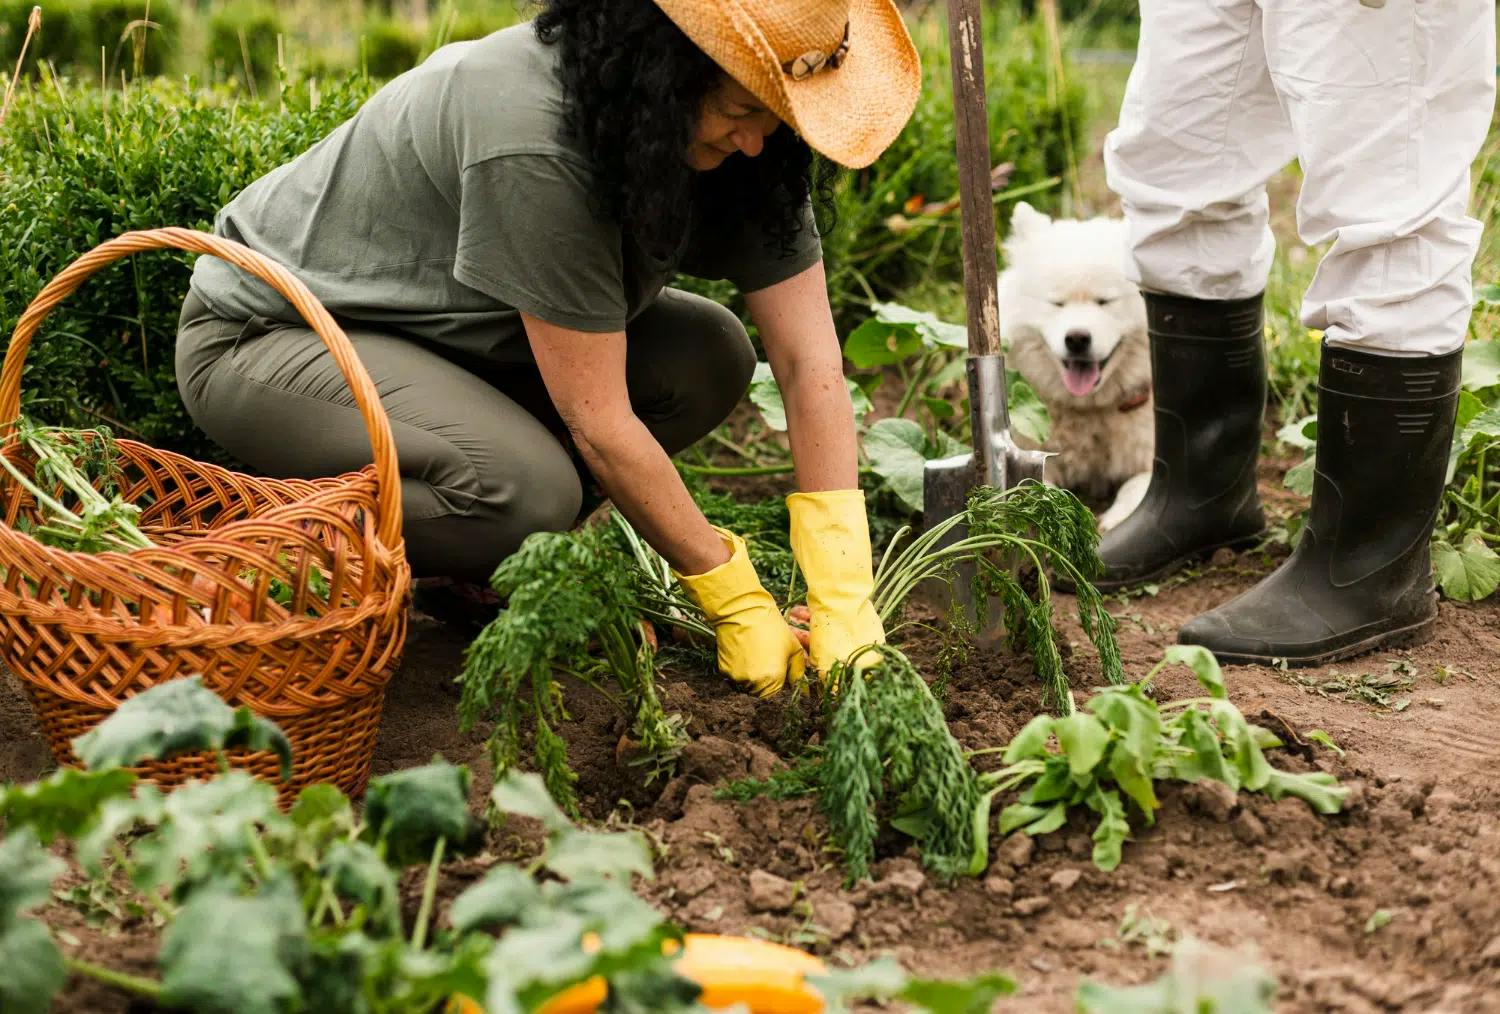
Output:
x,y
85,631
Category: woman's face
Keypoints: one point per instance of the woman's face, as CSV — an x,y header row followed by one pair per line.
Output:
x,y
732,120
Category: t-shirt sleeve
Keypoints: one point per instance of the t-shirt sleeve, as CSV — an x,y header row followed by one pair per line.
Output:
x,y
527,236
743,253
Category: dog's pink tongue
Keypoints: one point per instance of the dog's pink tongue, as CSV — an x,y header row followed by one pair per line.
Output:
x,y
1080,378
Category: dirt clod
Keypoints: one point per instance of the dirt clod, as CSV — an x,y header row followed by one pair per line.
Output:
x,y
1212,799
1065,880
770,893
835,915
1031,906
1000,887
1248,828
1016,850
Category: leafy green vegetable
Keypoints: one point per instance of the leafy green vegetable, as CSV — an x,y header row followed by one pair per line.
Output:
x,y
62,804
408,811
32,963
1032,528
1469,571
898,450
1201,980
564,592
1125,744
179,716
230,954
885,980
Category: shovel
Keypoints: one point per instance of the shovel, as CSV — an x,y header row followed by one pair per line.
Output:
x,y
996,460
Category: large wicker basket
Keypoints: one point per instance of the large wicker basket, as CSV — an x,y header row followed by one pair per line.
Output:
x,y
85,631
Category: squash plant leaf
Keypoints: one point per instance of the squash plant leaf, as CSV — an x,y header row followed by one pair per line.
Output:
x,y
972,996
1481,365
525,795
410,810
206,831
504,895
356,871
179,716
1469,571
33,966
63,803
26,874
226,953
577,855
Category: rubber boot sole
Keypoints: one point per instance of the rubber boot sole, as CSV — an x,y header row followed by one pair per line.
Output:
x,y
1400,637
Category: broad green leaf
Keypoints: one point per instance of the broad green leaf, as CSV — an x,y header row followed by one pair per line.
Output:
x,y
1204,666
339,967
525,795
1487,294
1469,572
1197,982
549,953
116,817
356,871
1050,821
179,716
1318,789
1031,741
1481,364
578,854
63,803
1084,739
939,408
1206,754
979,858
1028,413
229,954
1299,478
1113,829
1481,428
317,804
206,830
410,810
895,448
1243,749
1057,782
1134,779
33,968
879,343
1301,434
26,874
967,996
766,396
1018,815
504,895
880,979
1137,726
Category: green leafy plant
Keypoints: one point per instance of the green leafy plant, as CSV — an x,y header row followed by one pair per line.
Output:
x,y
1123,743
308,901
565,593
1009,538
1201,979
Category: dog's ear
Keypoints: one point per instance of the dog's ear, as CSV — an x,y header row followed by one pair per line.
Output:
x,y
1026,221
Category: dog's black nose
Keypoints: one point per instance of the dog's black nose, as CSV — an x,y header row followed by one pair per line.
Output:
x,y
1078,341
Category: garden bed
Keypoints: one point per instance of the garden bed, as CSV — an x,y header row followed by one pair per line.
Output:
x,y
1386,907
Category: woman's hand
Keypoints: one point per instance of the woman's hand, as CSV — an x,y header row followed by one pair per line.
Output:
x,y
756,645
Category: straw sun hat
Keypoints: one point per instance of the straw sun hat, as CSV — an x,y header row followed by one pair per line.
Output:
x,y
842,73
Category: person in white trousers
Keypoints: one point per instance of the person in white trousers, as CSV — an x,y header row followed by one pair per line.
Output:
x,y
1385,104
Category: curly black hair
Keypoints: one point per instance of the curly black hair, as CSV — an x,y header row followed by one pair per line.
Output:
x,y
635,86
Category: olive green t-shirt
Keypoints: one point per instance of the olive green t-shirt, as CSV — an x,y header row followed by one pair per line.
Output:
x,y
453,200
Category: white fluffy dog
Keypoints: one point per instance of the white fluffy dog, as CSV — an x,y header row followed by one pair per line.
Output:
x,y
1075,327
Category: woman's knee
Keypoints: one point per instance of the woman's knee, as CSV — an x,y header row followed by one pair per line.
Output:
x,y
690,362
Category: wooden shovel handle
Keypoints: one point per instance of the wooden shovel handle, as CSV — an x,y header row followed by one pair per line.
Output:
x,y
976,206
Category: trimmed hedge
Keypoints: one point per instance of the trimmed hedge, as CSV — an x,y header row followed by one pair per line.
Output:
x,y
82,170
242,42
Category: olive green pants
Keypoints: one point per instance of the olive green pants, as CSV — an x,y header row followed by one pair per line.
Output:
x,y
484,458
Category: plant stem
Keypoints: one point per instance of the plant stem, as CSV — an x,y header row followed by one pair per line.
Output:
x,y
913,384
786,469
429,895
149,988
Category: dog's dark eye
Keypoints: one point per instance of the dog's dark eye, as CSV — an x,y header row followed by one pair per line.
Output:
x,y
1057,302
1102,301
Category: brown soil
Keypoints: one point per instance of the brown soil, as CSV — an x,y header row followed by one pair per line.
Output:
x,y
1420,842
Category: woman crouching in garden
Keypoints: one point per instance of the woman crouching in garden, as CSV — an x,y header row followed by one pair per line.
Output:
x,y
494,230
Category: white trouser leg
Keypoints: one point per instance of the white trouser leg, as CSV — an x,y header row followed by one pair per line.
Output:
x,y
1389,106
1200,133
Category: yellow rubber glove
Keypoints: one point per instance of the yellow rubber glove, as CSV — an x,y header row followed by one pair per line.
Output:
x,y
756,647
831,541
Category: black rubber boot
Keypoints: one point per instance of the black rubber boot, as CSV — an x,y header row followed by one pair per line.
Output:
x,y
1361,575
1208,376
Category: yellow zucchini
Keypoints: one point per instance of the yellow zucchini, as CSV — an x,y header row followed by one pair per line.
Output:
x,y
767,978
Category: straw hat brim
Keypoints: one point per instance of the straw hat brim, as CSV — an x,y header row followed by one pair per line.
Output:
x,y
849,113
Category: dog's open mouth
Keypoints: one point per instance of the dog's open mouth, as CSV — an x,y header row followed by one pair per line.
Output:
x,y
1081,376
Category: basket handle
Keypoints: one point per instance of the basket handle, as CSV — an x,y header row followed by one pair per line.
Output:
x,y
388,478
